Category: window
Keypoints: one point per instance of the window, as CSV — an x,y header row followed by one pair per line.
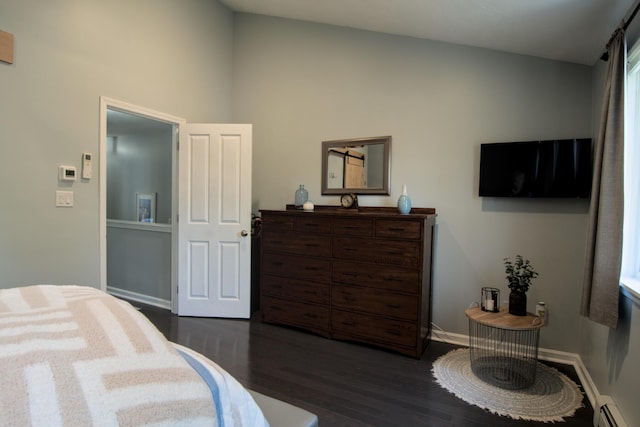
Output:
x,y
631,230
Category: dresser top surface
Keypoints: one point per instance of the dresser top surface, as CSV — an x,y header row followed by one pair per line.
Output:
x,y
359,212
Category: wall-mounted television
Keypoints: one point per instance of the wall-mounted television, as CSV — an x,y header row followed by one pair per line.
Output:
x,y
556,169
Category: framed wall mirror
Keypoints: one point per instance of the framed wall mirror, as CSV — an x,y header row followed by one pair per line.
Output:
x,y
360,166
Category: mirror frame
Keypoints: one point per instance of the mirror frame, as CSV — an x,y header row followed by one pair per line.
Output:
x,y
386,172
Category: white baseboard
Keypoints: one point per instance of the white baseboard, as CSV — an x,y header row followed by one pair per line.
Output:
x,y
549,355
449,337
134,296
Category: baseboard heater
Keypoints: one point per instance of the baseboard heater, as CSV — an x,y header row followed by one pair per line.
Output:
x,y
607,413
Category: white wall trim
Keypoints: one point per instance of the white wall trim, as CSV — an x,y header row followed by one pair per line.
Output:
x,y
140,226
573,359
134,296
441,335
630,287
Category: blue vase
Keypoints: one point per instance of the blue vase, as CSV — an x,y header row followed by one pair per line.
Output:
x,y
302,195
404,202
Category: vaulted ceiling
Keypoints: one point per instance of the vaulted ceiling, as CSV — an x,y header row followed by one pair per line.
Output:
x,y
566,30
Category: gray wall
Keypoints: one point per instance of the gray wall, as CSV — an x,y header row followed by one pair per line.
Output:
x,y
300,84
140,260
611,355
173,57
139,254
139,164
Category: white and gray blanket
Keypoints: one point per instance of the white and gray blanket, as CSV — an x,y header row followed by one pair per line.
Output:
x,y
76,356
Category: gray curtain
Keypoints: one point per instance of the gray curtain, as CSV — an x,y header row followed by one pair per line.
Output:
x,y
600,290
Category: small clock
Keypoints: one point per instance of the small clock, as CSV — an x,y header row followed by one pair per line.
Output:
x,y
349,200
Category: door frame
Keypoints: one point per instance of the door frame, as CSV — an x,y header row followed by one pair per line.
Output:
x,y
114,104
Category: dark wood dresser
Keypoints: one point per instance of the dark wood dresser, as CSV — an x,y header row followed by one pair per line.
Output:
x,y
360,275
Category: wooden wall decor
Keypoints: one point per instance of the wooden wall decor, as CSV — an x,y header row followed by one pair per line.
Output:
x,y
6,47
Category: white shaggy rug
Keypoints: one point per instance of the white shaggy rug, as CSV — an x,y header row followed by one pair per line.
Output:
x,y
552,397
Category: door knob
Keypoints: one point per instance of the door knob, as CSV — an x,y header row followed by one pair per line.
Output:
x,y
244,233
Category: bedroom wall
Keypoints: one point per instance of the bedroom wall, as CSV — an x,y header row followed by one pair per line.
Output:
x,y
139,164
611,355
173,57
139,264
301,83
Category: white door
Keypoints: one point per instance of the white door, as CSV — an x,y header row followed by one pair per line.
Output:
x,y
214,220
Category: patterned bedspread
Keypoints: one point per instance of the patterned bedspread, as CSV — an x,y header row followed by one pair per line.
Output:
x,y
75,356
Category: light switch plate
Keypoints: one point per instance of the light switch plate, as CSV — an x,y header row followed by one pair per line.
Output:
x,y
64,199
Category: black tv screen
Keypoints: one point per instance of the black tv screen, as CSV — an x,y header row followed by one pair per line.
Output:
x,y
557,168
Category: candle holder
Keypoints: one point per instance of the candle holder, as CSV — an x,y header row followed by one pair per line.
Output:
x,y
489,299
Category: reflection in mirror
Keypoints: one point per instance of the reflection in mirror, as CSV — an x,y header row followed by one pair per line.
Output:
x,y
359,166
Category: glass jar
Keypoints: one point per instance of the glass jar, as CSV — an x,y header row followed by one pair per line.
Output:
x,y
490,299
302,195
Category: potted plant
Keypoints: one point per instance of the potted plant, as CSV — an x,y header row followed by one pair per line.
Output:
x,y
519,275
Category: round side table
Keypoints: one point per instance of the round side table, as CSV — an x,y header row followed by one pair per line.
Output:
x,y
503,347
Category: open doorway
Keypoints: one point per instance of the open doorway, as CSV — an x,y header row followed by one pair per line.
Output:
x,y
138,189
210,193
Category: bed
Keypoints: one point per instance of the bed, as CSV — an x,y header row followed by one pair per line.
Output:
x,y
76,356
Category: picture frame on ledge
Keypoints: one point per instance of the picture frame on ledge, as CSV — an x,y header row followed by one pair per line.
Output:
x,y
146,207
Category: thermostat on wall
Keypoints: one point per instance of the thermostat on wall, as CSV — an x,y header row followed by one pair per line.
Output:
x,y
67,173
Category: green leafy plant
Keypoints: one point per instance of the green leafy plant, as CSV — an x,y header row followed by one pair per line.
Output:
x,y
519,274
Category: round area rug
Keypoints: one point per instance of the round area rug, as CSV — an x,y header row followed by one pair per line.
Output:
x,y
552,397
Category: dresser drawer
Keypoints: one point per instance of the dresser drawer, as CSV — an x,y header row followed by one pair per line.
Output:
x,y
310,223
297,267
307,244
353,227
277,222
375,328
397,252
376,276
398,229
312,292
308,316
376,301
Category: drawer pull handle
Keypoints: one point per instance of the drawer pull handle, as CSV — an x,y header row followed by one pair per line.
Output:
x,y
276,308
394,332
393,305
277,264
347,323
350,273
398,229
391,279
311,268
311,245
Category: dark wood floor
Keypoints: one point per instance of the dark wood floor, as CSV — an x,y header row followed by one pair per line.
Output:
x,y
345,384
